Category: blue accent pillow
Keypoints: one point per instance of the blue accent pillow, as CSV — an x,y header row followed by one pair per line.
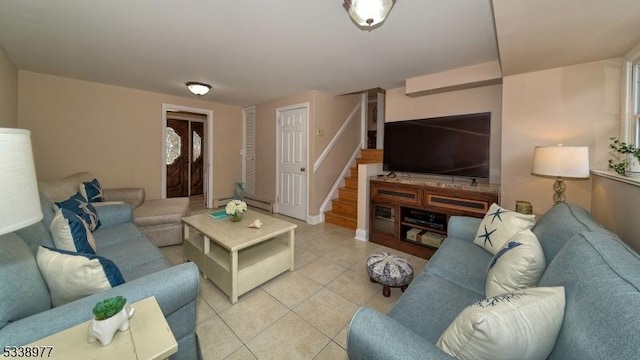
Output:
x,y
79,206
71,233
71,275
92,191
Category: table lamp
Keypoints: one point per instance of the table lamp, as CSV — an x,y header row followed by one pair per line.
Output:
x,y
19,198
561,162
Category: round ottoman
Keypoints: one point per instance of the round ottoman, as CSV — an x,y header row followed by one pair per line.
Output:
x,y
389,270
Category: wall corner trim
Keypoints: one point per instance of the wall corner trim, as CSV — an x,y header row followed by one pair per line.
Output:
x,y
362,235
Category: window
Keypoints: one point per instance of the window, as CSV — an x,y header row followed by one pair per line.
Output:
x,y
197,146
173,146
635,101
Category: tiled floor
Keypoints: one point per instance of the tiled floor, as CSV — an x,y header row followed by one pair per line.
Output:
x,y
302,314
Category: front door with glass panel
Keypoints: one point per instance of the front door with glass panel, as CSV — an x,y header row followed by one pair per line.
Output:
x,y
184,157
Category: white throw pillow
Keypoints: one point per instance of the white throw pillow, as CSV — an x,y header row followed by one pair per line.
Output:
x,y
499,225
71,276
71,233
518,265
520,325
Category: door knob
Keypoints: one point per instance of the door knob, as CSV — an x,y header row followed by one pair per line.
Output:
x,y
303,169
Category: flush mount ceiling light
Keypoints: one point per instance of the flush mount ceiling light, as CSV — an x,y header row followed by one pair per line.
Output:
x,y
198,88
368,14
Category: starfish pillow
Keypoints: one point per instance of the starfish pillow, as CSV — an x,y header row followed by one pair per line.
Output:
x,y
499,225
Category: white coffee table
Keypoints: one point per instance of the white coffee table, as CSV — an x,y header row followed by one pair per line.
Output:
x,y
235,257
148,338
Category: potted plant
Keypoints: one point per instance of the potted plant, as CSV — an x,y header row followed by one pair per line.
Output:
x,y
235,209
627,161
110,315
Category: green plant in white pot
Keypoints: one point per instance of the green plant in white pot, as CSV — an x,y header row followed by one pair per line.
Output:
x,y
110,315
627,161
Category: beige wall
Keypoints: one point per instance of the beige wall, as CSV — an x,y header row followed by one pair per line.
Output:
x,y
573,105
266,143
115,133
8,92
326,113
611,202
330,113
475,100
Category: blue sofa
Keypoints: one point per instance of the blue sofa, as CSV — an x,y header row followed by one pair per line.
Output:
x,y
601,276
26,313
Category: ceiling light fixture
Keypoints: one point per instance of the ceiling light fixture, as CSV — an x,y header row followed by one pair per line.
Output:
x,y
368,14
198,88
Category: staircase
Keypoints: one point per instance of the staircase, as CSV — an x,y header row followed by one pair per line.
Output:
x,y
344,210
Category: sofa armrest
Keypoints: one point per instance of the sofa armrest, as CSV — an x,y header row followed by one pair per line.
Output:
x,y
172,296
463,227
133,196
373,335
114,214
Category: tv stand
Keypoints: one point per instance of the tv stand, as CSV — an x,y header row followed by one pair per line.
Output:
x,y
411,214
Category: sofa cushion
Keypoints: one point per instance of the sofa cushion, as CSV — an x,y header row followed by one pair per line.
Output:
x,y
601,276
499,225
23,292
558,225
137,253
79,206
518,265
429,305
161,212
71,276
520,325
71,233
119,234
92,191
36,235
62,188
48,212
461,262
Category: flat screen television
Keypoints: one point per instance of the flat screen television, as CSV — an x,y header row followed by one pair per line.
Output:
x,y
455,145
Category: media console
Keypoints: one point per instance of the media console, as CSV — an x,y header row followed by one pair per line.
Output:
x,y
411,214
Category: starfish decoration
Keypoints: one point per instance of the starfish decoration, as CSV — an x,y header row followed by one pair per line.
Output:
x,y
487,236
497,214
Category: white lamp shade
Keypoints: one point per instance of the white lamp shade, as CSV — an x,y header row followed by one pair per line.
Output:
x,y
368,13
562,161
19,199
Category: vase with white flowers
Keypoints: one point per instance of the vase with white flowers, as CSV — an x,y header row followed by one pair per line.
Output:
x,y
235,209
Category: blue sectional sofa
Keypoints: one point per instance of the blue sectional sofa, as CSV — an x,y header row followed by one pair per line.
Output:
x,y
600,274
26,313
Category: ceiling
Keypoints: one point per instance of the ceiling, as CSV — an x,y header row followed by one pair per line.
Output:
x,y
252,51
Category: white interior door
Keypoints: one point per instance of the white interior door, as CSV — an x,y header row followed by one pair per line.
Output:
x,y
292,162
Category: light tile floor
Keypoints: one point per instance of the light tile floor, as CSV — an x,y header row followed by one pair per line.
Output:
x,y
302,314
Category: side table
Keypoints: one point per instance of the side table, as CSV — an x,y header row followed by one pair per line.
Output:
x,y
148,338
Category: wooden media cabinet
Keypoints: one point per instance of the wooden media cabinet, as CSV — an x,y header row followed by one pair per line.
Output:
x,y
411,214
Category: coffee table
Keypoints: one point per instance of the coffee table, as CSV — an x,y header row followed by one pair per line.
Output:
x,y
235,257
